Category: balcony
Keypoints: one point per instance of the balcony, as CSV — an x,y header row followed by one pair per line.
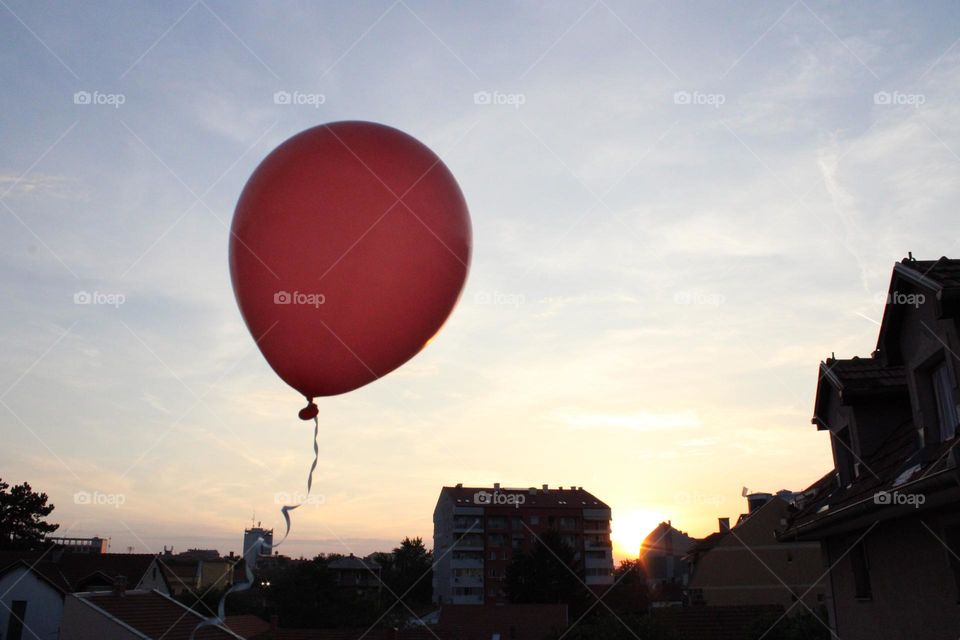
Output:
x,y
463,525
469,542
598,563
597,542
467,581
466,563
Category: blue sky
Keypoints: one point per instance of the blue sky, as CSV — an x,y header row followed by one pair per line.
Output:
x,y
678,209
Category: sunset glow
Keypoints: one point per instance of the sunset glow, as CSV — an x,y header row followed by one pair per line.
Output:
x,y
629,528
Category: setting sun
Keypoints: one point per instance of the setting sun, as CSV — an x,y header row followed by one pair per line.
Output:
x,y
629,528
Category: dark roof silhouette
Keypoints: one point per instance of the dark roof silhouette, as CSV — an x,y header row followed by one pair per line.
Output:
x,y
519,621
70,572
154,615
353,563
573,498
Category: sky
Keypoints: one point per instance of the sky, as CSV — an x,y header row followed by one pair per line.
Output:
x,y
678,210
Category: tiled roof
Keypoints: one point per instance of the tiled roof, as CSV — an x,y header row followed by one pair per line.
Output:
x,y
878,472
573,498
73,571
944,271
357,634
155,615
708,543
716,623
520,621
248,626
863,374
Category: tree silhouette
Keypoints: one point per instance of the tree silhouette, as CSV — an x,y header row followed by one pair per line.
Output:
x,y
547,574
21,517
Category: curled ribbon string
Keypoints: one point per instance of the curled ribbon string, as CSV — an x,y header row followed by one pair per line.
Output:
x,y
251,555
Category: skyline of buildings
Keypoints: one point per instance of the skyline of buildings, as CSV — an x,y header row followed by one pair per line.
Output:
x,y
479,530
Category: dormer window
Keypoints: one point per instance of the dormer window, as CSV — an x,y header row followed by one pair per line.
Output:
x,y
943,386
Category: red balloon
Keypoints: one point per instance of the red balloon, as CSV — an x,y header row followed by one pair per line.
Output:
x,y
349,247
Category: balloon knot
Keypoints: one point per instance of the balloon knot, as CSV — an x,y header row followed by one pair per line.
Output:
x,y
310,411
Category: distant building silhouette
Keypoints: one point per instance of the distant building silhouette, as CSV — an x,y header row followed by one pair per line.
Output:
x,y
252,535
81,545
663,557
477,530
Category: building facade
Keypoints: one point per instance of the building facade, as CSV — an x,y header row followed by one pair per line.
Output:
x,y
887,516
747,564
477,531
253,535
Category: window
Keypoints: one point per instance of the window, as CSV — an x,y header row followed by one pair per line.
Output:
x,y
861,571
18,612
952,540
534,520
943,396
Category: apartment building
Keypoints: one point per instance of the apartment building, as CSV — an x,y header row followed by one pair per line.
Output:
x,y
477,530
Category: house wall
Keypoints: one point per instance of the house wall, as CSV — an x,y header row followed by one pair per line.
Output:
x,y
914,594
44,604
83,622
749,566
922,337
152,579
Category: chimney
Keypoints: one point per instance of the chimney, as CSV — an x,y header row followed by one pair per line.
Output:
x,y
120,586
496,485
546,488
724,524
